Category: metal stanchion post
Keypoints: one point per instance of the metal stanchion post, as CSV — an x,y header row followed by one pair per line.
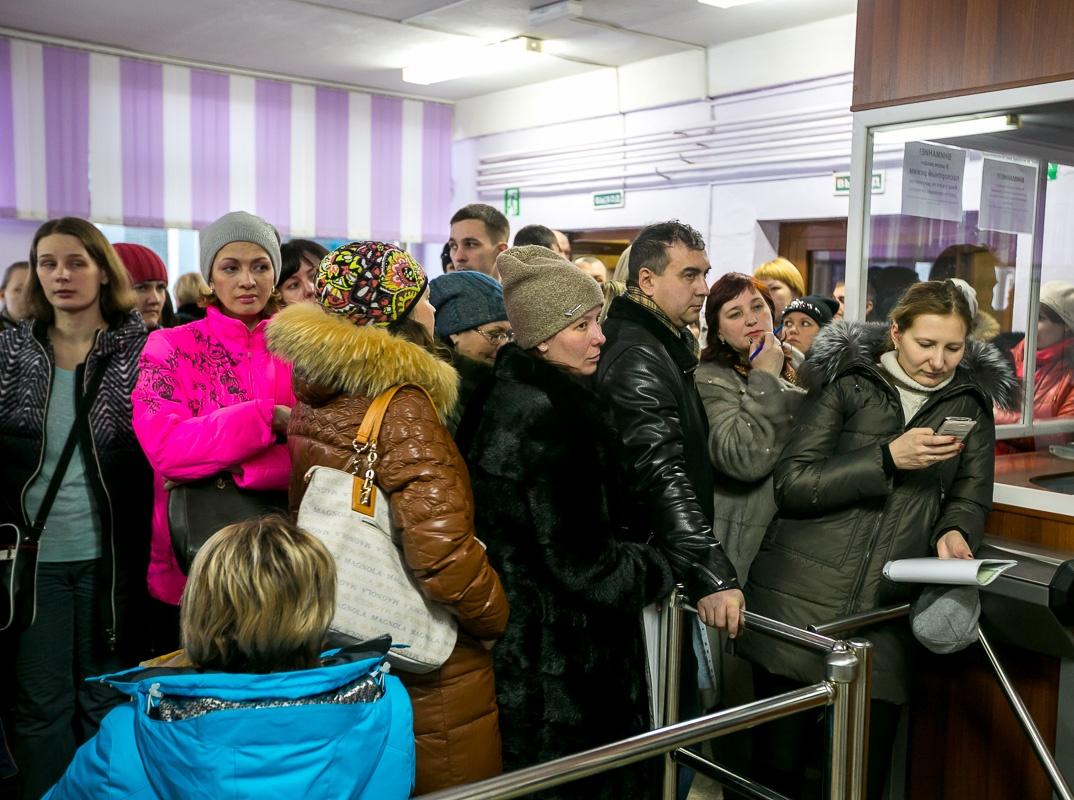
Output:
x,y
672,640
840,671
861,691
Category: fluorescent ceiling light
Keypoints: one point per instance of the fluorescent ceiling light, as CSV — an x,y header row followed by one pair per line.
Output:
x,y
726,3
446,65
931,131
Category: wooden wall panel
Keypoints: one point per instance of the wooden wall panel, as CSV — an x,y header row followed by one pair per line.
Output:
x,y
911,50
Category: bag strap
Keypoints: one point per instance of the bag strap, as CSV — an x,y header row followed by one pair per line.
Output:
x,y
369,430
81,420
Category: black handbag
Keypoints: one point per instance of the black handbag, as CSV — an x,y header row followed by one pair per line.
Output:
x,y
198,509
19,544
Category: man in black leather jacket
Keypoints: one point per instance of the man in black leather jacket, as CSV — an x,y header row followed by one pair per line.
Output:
x,y
646,373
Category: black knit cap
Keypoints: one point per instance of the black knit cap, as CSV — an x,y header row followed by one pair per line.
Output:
x,y
821,309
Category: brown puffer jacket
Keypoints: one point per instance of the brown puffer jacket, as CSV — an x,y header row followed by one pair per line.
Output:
x,y
339,368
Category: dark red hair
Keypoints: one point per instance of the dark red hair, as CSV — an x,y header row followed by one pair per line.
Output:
x,y
726,289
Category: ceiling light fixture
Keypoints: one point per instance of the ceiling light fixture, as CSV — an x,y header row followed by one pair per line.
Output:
x,y
446,65
727,3
931,131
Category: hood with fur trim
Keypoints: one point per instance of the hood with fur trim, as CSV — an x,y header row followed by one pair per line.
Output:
x,y
844,346
329,352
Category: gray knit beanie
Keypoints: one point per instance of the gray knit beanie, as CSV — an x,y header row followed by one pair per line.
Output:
x,y
544,293
465,300
239,226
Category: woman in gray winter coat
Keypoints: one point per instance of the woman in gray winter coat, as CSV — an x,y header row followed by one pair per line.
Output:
x,y
865,479
747,385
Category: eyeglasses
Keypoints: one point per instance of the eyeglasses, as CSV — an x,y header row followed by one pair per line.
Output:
x,y
497,337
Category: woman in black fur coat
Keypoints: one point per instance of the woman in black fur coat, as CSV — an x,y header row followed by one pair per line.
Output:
x,y
570,671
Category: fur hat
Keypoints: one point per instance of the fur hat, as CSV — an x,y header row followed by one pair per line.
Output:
x,y
821,309
944,618
544,293
142,264
1059,297
238,226
465,300
370,283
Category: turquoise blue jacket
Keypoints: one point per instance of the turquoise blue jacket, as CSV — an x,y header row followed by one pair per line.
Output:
x,y
338,731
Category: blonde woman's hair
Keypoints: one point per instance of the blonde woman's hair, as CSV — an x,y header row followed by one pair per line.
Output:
x,y
259,598
780,269
117,297
190,287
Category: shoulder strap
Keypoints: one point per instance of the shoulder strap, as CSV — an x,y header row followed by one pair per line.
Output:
x,y
369,430
81,420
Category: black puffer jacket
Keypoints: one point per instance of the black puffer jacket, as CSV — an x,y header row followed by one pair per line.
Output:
x,y
114,463
570,671
842,516
646,375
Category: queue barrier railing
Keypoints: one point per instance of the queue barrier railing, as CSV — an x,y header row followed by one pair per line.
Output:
x,y
845,691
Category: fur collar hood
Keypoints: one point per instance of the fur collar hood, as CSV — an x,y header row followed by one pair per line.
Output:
x,y
844,346
329,351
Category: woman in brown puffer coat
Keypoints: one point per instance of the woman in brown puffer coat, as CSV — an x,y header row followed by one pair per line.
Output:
x,y
377,333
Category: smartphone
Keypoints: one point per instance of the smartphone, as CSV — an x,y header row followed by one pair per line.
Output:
x,y
959,427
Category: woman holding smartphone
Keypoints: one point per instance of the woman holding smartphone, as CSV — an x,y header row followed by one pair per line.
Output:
x,y
864,479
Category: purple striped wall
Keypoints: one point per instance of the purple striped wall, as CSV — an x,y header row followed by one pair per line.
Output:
x,y
386,161
210,187
66,88
435,172
141,100
272,115
333,118
7,134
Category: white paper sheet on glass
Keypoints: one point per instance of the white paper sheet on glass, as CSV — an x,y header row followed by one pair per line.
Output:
x,y
1007,194
932,178
959,571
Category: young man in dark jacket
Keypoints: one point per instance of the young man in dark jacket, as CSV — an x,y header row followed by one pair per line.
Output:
x,y
646,375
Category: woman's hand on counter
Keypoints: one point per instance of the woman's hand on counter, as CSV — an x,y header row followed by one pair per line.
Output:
x,y
953,545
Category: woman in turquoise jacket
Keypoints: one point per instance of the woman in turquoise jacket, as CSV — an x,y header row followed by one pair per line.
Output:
x,y
258,713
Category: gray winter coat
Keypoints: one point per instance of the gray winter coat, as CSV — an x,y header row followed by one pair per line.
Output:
x,y
843,513
750,419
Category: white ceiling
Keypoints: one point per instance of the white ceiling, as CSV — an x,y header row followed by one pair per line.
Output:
x,y
366,42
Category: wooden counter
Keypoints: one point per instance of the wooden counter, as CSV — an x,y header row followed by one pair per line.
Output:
x,y
964,740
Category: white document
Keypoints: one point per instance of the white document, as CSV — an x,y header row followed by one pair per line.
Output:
x,y
1007,196
958,571
932,178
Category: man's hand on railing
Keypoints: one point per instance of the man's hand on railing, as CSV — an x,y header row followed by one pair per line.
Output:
x,y
723,610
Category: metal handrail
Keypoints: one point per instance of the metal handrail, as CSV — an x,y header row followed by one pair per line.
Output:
x,y
638,748
862,619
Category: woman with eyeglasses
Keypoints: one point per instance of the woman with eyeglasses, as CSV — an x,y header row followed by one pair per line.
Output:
x,y
471,321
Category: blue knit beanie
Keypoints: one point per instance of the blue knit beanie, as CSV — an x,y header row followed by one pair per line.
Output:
x,y
465,300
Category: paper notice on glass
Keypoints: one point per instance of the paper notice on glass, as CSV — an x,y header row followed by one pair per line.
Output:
x,y
959,571
1007,193
932,177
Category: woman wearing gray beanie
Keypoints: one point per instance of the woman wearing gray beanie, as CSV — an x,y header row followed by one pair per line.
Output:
x,y
542,460
211,401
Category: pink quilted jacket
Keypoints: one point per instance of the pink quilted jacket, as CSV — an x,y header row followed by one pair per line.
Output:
x,y
203,404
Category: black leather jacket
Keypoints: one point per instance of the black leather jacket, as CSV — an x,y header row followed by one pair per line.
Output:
x,y
646,375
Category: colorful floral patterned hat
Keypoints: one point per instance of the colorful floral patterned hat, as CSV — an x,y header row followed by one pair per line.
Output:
x,y
370,283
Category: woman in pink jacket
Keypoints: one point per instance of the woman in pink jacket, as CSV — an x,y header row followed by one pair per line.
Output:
x,y
210,398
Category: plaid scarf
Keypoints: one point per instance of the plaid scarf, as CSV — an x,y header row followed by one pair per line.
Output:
x,y
636,295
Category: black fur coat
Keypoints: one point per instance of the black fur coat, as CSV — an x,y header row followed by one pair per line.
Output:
x,y
570,671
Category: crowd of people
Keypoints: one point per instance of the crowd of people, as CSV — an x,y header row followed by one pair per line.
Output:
x,y
567,446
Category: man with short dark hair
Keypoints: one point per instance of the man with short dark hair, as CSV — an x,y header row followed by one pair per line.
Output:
x,y
479,233
537,234
646,374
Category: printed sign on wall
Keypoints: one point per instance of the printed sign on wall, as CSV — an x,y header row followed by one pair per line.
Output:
x,y
1007,192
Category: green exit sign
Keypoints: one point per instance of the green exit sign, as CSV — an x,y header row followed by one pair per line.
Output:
x,y
609,199
842,183
512,202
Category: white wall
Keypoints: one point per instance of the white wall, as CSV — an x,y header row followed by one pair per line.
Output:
x,y
802,53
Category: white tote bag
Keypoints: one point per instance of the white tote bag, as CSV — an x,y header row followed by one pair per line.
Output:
x,y
376,592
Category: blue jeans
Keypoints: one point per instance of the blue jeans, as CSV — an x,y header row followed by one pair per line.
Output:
x,y
55,709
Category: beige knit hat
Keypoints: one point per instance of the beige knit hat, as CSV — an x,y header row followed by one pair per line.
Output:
x,y
1059,297
544,293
